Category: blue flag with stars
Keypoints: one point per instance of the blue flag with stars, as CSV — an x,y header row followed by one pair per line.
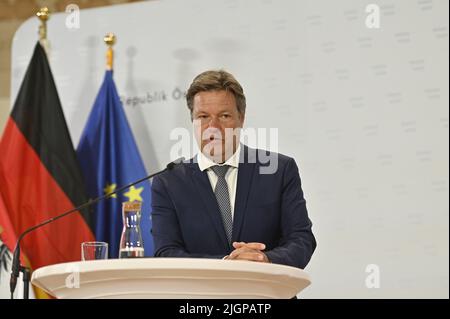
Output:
x,y
109,159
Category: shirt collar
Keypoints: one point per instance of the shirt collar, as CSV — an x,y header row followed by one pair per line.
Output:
x,y
205,162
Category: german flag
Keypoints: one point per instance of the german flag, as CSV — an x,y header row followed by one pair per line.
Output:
x,y
39,174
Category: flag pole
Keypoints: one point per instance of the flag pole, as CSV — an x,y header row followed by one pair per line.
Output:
x,y
43,14
110,40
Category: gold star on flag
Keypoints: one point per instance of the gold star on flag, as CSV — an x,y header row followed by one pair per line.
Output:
x,y
109,189
134,194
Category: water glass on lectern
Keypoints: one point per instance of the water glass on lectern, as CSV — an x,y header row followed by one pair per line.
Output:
x,y
93,250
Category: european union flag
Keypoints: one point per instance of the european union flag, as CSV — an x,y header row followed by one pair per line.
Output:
x,y
109,159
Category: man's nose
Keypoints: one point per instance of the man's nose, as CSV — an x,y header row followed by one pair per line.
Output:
x,y
214,122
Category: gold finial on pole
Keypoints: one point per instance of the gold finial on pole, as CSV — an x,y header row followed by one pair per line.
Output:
x,y
110,40
43,14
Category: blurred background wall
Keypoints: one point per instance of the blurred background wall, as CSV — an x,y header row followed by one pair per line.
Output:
x,y
12,14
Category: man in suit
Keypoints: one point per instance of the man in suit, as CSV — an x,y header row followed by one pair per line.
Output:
x,y
227,202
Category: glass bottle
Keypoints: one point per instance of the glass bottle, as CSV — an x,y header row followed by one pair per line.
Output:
x,y
131,244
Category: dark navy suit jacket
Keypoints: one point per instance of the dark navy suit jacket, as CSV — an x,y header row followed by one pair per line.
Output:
x,y
269,208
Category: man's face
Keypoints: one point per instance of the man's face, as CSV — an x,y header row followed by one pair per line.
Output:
x,y
216,124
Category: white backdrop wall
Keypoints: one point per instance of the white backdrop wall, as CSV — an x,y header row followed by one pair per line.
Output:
x,y
363,111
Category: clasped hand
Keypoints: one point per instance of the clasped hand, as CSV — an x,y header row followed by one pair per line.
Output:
x,y
248,251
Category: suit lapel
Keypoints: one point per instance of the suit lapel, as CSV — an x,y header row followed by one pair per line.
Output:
x,y
245,174
201,182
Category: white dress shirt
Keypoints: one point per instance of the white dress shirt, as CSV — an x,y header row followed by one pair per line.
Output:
x,y
205,163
